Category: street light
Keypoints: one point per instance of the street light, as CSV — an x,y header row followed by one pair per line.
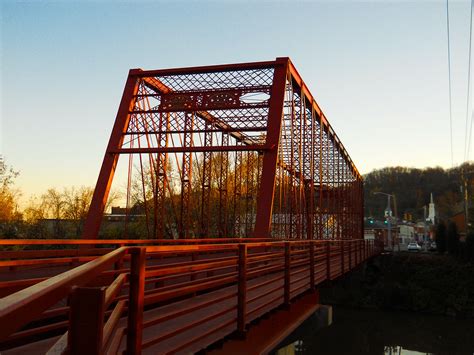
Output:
x,y
389,217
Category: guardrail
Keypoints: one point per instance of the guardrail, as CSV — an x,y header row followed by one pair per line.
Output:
x,y
106,297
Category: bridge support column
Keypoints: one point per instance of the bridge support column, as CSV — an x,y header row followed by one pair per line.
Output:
x,y
267,186
109,164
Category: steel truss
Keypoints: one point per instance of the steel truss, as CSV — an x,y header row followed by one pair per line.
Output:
x,y
233,150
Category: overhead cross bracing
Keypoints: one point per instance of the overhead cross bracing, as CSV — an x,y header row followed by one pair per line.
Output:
x,y
230,151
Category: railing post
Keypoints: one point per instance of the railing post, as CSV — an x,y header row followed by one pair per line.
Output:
x,y
86,320
242,290
135,301
328,260
311,265
287,273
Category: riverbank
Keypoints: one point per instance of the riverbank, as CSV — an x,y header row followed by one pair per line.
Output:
x,y
425,283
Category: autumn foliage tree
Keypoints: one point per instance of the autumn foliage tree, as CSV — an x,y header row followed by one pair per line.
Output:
x,y
71,204
8,194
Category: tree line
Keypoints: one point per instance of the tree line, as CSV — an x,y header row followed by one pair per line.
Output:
x,y
69,204
412,188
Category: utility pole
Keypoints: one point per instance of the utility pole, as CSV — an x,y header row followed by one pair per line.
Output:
x,y
397,230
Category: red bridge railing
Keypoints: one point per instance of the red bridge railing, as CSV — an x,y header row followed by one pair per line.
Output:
x,y
180,297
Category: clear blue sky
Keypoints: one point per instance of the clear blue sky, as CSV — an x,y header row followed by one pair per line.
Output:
x,y
378,69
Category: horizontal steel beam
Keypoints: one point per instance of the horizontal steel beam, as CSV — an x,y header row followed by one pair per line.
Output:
x,y
158,86
204,69
229,148
227,130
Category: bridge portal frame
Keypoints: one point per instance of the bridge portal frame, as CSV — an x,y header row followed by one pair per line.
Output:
x,y
326,184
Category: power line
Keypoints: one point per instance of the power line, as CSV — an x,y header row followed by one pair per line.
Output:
x,y
449,78
467,144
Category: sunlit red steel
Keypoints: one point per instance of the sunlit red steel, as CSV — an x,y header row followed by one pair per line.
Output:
x,y
233,150
182,296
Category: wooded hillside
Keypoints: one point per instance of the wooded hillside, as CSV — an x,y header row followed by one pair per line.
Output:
x,y
412,188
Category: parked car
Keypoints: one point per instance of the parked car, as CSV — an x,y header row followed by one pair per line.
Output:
x,y
413,247
432,246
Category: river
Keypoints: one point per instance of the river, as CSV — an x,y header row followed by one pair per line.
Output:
x,y
382,333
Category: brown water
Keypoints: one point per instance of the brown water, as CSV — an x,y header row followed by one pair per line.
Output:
x,y
382,333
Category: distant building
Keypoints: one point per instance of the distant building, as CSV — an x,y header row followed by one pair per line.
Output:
x,y
380,232
406,233
422,231
431,211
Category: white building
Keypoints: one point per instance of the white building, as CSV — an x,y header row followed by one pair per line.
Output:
x,y
406,233
431,211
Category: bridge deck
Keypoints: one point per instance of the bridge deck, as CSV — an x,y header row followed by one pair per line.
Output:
x,y
197,304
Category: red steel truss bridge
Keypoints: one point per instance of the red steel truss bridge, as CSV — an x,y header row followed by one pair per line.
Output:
x,y
241,200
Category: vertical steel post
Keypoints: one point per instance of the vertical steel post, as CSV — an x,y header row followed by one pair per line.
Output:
x,y
109,164
161,181
86,320
237,195
186,177
267,184
135,302
206,182
242,290
223,184
320,211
